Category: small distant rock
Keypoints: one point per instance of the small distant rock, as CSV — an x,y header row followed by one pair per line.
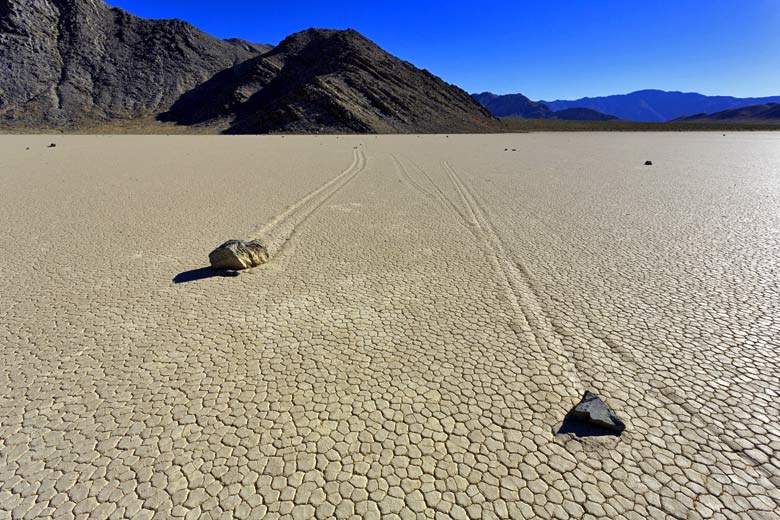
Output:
x,y
52,145
235,255
648,163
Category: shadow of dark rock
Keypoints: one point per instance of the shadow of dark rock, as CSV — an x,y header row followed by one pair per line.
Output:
x,y
583,429
198,274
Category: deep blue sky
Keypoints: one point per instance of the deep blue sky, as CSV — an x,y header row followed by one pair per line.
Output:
x,y
544,49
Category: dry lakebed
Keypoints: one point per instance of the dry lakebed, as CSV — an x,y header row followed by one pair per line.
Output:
x,y
433,308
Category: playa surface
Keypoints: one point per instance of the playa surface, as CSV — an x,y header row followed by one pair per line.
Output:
x,y
434,307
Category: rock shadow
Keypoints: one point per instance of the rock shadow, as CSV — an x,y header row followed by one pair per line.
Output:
x,y
584,429
198,274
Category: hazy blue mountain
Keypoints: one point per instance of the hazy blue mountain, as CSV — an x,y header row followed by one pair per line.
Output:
x,y
517,105
659,105
768,113
582,114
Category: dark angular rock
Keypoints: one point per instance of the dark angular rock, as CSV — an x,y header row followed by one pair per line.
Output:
x,y
648,163
592,417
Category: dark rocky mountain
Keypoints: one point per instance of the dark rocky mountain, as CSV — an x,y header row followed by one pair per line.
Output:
x,y
517,105
513,105
73,61
256,48
333,81
659,105
767,113
76,63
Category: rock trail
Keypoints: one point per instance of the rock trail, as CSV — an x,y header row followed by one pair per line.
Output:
x,y
515,281
281,229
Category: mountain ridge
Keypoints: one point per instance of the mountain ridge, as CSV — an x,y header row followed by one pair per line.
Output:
x,y
329,80
258,48
652,105
78,63
81,60
768,113
518,105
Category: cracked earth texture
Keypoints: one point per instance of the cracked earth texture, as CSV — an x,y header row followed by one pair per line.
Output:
x,y
434,307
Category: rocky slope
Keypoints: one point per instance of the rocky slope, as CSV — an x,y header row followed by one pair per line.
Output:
x,y
255,48
77,63
322,80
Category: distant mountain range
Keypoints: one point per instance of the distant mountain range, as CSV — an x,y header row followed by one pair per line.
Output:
x,y
768,113
659,105
517,105
77,63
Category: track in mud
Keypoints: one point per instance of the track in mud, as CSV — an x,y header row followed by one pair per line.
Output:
x,y
280,230
530,321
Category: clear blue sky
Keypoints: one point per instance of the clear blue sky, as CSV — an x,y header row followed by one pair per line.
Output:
x,y
543,49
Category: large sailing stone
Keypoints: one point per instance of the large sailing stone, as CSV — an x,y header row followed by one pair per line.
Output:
x,y
592,417
237,255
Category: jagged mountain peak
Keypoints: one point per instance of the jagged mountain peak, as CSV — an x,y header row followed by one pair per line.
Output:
x,y
77,62
330,80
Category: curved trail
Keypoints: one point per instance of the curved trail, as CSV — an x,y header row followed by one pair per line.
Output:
x,y
278,232
527,303
438,195
640,372
406,177
532,322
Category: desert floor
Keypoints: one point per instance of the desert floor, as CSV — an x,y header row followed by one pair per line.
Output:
x,y
434,307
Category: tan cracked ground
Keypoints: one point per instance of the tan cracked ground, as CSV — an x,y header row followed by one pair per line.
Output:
x,y
434,307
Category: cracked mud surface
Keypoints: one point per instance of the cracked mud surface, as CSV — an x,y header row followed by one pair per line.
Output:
x,y
434,307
